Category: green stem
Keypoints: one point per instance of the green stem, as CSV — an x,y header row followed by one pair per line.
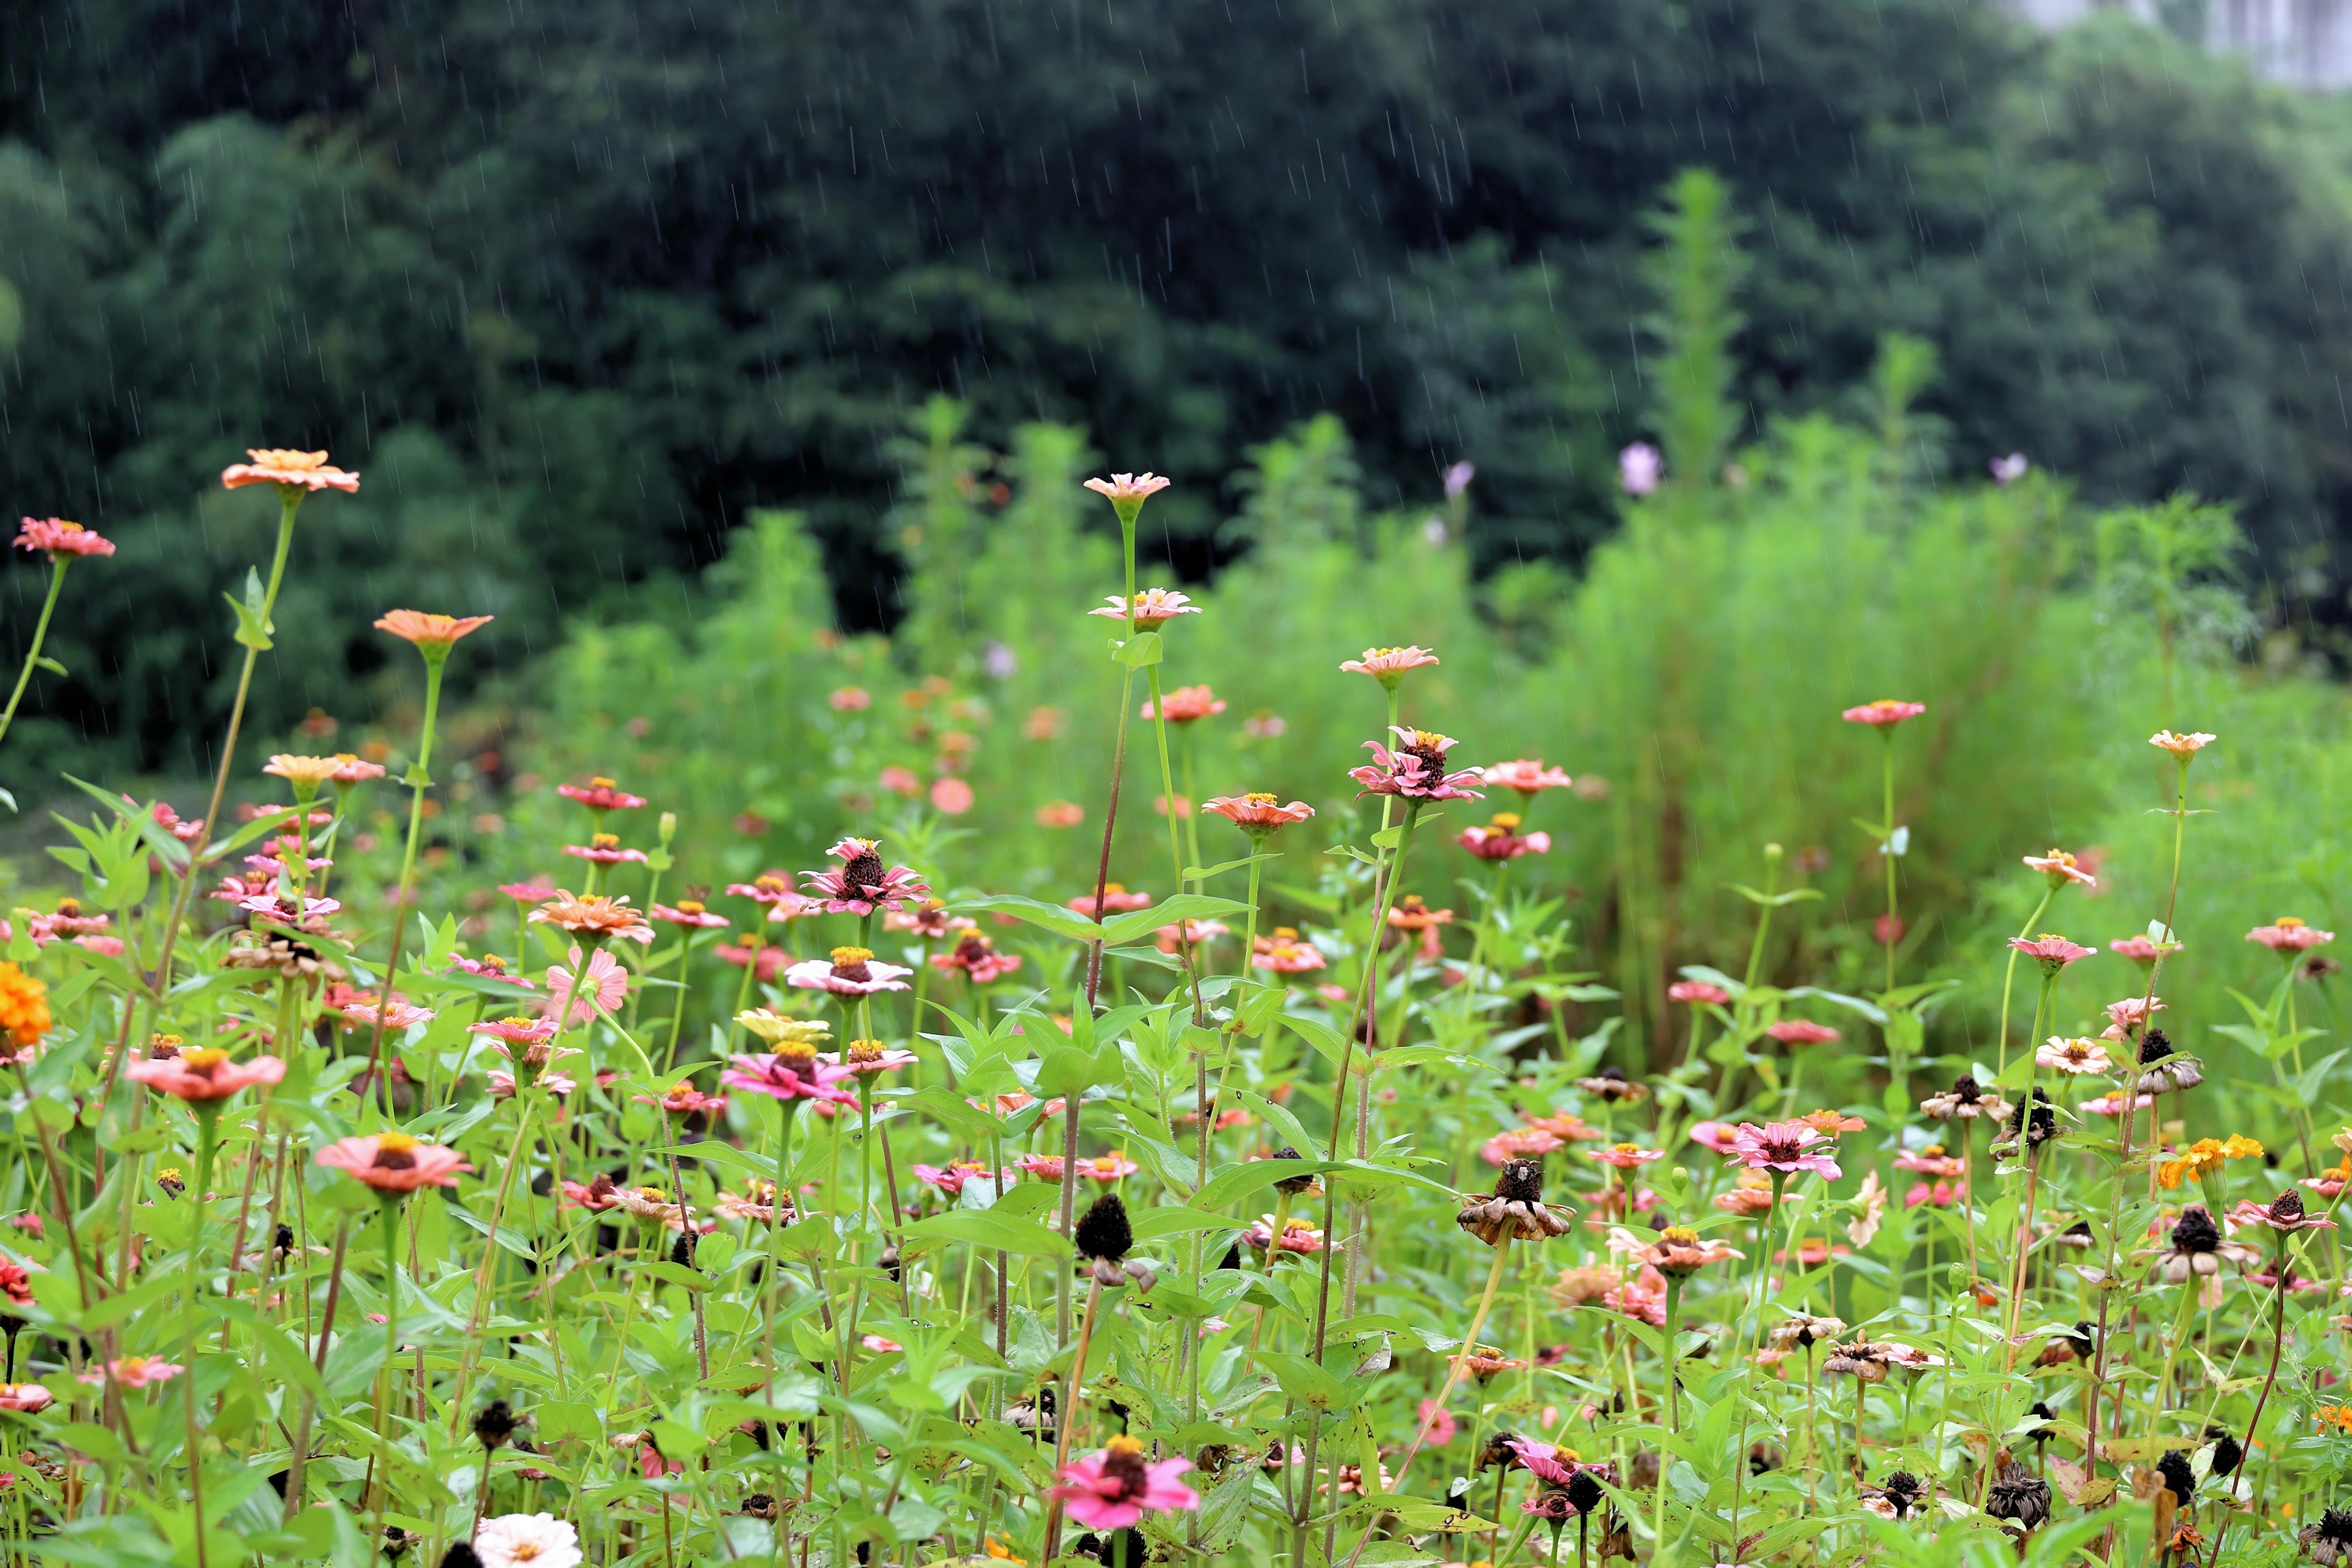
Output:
x,y
1888,735
57,564
2009,976
419,781
207,1143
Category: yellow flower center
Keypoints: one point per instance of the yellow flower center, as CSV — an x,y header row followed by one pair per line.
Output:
x,y
689,906
1628,1148
393,1143
1680,1234
1258,797
844,956
170,1174
203,1060
1122,1444
605,840
1507,820
1426,738
601,784
2288,922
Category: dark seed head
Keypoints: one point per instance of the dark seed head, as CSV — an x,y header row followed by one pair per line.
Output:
x,y
2288,1209
2154,1046
1901,1489
1584,1493
681,1251
2179,1478
1293,1185
2335,1525
2196,1231
1497,1451
1965,1090
495,1424
396,1541
1521,1181
1103,1231
2226,1452
460,1556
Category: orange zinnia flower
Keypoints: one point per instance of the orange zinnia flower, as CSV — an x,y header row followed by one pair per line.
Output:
x,y
429,632
296,470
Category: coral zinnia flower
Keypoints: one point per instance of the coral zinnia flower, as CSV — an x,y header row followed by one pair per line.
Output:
x,y
1525,1144
1154,607
30,1398
295,470
1697,992
205,1074
1114,897
61,539
604,849
2141,950
1885,713
395,1162
133,1372
1259,811
1412,915
1415,769
431,633
1501,840
1527,776
2061,869
1679,1251
1781,1146
978,958
601,796
395,1014
1115,1489
1285,954
1626,1156
2072,1056
1388,665
851,972
594,917
862,885
1298,1236
1135,488
2054,952
2181,746
687,912
2289,935
685,1100
1801,1032
1186,703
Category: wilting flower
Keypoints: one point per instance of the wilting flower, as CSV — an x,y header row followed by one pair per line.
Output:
x,y
293,470
133,1372
395,1162
2181,746
1116,1487
2128,1015
2054,952
978,958
2162,1068
1781,1146
63,540
2061,869
205,1074
1153,608
1801,1032
2199,1246
1611,1085
2327,1542
1416,769
527,1540
1697,992
2289,935
2072,1056
1388,665
862,885
594,918
433,635
1186,704
1500,838
851,972
1639,469
1515,1208
1871,1203
2284,1214
1883,713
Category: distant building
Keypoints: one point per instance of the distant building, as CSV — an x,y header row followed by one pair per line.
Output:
x,y
2307,43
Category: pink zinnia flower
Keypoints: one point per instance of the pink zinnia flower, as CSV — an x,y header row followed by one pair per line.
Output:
x,y
1943,1193
1639,469
1643,1297
685,1100
2113,1104
1501,838
850,972
296,470
2061,869
2284,1214
395,1162
1115,1489
395,1014
1626,1156
133,1372
518,1031
1527,776
29,1398
601,796
774,889
1437,1424
977,956
2129,1014
950,796
105,946
864,1056
2140,950
1884,712
1721,1136
284,909
1187,704
1114,898
604,849
1388,665
1801,1032
849,698
2072,1056
530,893
430,634
1697,992
2289,935
862,885
1154,608
1135,489
1298,1236
1521,1143
2181,746
595,1197
1059,813
603,983
1191,933
900,781
1781,1146
502,1083
950,1178
685,913
767,960
1259,811
1286,954
205,1074
1415,769
879,1345
792,1073
2056,953
1106,1167
61,539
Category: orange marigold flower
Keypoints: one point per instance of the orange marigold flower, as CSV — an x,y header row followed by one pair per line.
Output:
x,y
303,471
24,1007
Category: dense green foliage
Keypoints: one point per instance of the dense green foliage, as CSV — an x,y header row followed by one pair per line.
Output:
x,y
581,286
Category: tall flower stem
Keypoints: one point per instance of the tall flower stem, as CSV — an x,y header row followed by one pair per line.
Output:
x,y
1893,928
207,1145
2025,1151
388,1213
57,564
1756,1332
2008,976
419,780
1069,1412
524,1100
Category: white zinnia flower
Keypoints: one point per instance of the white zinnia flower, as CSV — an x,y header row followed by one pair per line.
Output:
x,y
527,1540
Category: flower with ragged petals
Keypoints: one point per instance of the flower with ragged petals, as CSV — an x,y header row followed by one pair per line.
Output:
x,y
1516,1207
305,471
205,1074
863,884
977,957
594,917
2181,746
1500,838
1527,774
394,1161
1643,1297
1885,713
1388,665
1151,609
1698,994
2284,1214
2052,952
63,540
2289,936
433,635
595,1197
2125,1018
1416,769
1187,705
1115,1489
1801,1032
1611,1085
1782,1146
2199,1246
2072,1056
2062,869
2162,1068
850,972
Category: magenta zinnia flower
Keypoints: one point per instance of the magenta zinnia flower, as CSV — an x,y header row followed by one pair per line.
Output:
x,y
685,913
1883,713
1416,769
1115,1489
977,956
601,796
862,885
791,1072
1501,838
1781,1146
851,972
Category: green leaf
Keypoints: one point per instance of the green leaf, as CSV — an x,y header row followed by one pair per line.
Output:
x,y
1773,901
251,631
988,1228
1279,1118
1422,1513
1201,873
1139,923
45,662
1138,652
1053,916
1389,837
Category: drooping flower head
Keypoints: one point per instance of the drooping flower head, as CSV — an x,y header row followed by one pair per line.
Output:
x,y
1151,609
1116,1487
1885,713
599,985
1515,1208
2062,869
2289,936
1500,838
1415,769
863,884
205,1074
1388,665
433,635
65,542
289,471
394,1161
1259,814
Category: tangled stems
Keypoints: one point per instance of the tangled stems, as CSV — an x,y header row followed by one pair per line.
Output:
x,y
59,561
2050,972
1749,1343
436,657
